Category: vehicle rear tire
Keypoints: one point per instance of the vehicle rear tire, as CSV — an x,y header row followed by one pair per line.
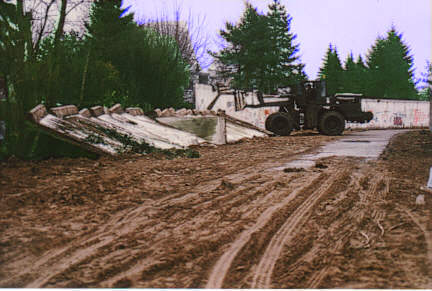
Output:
x,y
331,123
279,123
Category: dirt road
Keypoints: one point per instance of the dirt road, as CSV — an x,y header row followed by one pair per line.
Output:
x,y
233,218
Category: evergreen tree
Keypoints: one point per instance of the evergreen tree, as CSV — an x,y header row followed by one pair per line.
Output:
x,y
260,52
246,50
109,30
354,75
361,75
391,73
102,80
287,70
332,71
350,80
150,65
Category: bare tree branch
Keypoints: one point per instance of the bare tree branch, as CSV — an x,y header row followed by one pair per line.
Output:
x,y
189,35
47,17
43,25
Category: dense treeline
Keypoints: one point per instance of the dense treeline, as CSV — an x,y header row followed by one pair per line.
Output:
x,y
260,54
113,61
387,72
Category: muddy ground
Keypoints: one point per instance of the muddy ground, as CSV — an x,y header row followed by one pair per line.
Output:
x,y
227,219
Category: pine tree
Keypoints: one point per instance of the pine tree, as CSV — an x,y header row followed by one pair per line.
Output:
x,y
150,65
332,71
108,29
361,75
260,52
391,73
350,80
245,55
287,71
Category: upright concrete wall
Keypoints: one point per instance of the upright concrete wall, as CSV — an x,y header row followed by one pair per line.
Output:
x,y
387,113
395,113
430,100
430,113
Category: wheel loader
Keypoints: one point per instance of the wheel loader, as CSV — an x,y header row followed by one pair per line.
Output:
x,y
310,107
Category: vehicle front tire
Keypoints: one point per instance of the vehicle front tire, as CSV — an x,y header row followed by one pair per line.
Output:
x,y
280,123
331,123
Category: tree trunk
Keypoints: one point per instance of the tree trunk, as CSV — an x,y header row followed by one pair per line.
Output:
x,y
84,78
60,26
54,66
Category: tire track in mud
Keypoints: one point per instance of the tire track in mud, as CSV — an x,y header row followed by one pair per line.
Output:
x,y
308,267
428,238
222,266
264,270
91,241
59,261
341,225
243,197
344,224
55,262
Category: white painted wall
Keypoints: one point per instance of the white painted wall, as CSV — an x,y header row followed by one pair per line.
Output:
x,y
430,100
395,113
387,113
430,114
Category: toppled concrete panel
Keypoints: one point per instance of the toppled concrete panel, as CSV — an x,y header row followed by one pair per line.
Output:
x,y
85,113
77,133
134,111
236,132
158,112
116,109
205,127
221,131
144,128
217,129
97,111
63,111
181,112
37,113
166,113
110,133
255,130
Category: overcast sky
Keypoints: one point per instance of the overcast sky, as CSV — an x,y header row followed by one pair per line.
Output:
x,y
350,25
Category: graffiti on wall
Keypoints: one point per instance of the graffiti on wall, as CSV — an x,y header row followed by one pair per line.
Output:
x,y
420,117
398,119
397,114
